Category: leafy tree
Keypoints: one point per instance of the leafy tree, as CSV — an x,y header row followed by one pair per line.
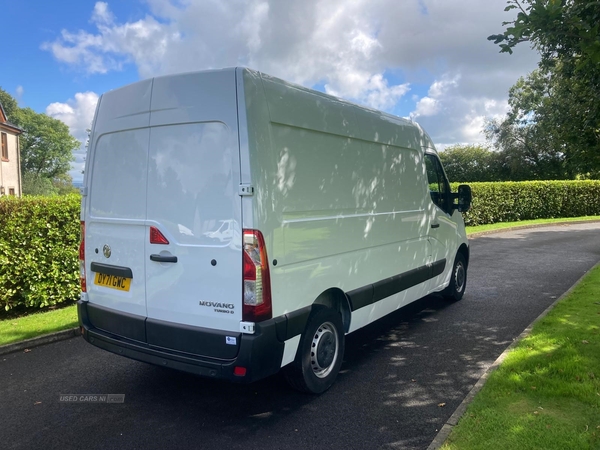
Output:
x,y
8,103
46,144
555,111
46,149
567,29
527,137
35,184
470,163
522,155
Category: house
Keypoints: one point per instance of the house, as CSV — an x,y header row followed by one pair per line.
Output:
x,y
10,164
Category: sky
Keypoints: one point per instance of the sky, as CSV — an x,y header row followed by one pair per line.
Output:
x,y
427,60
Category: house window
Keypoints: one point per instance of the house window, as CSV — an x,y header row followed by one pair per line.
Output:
x,y
11,191
4,147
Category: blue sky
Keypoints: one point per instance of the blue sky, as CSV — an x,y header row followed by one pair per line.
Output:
x,y
424,59
44,80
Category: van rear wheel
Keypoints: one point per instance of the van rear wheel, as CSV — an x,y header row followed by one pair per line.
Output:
x,y
458,279
320,353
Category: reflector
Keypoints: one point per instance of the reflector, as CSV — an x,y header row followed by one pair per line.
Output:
x,y
239,371
156,237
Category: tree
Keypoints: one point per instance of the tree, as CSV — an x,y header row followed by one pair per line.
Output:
x,y
565,29
522,155
46,149
34,184
527,138
557,104
470,163
46,144
8,103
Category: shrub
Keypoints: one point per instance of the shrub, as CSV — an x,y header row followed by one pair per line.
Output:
x,y
527,200
39,239
34,184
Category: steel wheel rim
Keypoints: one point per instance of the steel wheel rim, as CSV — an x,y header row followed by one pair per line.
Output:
x,y
324,350
459,277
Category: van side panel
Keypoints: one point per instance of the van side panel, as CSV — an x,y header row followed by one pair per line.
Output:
x,y
325,214
257,165
374,126
352,211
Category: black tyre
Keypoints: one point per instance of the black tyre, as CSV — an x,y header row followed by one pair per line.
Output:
x,y
320,353
458,279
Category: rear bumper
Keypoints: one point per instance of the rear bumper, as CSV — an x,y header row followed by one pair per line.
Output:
x,y
260,353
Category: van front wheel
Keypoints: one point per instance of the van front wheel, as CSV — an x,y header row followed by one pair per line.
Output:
x,y
320,353
458,279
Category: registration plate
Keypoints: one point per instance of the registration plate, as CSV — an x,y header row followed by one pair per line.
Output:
x,y
112,281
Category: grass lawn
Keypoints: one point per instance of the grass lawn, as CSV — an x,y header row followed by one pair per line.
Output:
x,y
502,225
546,393
25,327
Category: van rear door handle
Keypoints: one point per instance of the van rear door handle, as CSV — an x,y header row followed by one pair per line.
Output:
x,y
161,258
435,225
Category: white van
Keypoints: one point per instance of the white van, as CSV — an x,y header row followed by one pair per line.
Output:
x,y
234,224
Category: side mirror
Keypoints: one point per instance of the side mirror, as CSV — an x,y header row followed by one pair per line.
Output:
x,y
464,197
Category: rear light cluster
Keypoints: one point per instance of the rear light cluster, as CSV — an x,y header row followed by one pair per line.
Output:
x,y
82,259
257,281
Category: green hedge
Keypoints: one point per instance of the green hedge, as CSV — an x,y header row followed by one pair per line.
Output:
x,y
39,239
528,200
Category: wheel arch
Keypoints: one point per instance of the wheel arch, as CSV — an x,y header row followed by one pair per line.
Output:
x,y
337,300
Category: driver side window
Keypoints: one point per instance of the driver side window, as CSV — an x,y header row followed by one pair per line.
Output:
x,y
438,185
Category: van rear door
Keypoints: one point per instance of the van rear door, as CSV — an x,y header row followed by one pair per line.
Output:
x,y
163,240
115,208
192,196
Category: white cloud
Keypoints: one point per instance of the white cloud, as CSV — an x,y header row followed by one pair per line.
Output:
x,y
455,117
143,42
19,92
427,106
78,114
102,14
432,104
305,42
350,48
371,90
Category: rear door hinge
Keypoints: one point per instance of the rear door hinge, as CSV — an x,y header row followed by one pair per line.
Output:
x,y
245,190
84,191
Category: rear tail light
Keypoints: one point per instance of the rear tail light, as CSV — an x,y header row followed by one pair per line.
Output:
x,y
82,259
257,281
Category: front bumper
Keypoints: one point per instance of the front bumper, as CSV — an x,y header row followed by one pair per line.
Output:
x,y
259,353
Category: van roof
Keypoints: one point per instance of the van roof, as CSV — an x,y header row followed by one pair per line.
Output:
x,y
401,121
